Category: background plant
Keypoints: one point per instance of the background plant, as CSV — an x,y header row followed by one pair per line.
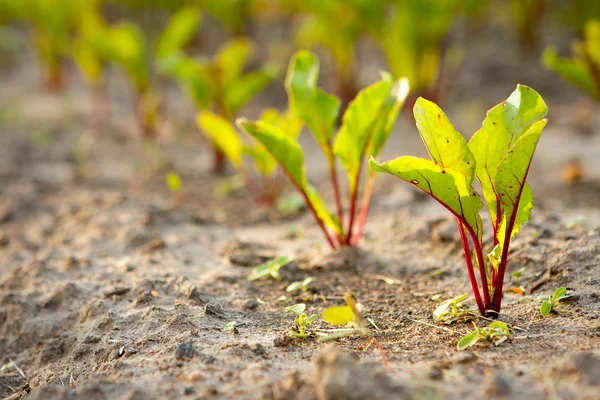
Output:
x,y
220,87
549,302
366,125
583,69
499,154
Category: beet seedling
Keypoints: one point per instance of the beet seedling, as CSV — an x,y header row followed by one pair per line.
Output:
x,y
130,50
549,302
229,142
452,310
583,70
219,87
497,333
269,269
499,154
367,123
300,285
349,315
302,321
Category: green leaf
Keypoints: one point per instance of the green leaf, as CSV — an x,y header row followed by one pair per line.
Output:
x,y
560,294
128,49
173,181
231,59
341,315
181,29
270,268
448,186
573,71
223,134
294,286
242,89
358,127
297,309
503,149
392,106
230,326
468,340
441,310
545,308
312,319
317,109
289,156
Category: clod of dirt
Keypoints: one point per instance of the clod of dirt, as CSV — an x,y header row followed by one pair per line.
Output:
x,y
185,351
251,304
248,254
338,376
345,258
10,384
283,341
585,365
497,386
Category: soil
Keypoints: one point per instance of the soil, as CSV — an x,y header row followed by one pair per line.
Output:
x,y
113,288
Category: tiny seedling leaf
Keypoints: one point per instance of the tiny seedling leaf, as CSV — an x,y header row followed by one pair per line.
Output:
x,y
297,309
173,181
341,315
270,268
468,340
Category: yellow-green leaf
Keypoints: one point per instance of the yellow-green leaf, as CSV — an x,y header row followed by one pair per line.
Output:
x,y
181,29
241,90
231,59
341,315
223,134
359,123
290,157
318,110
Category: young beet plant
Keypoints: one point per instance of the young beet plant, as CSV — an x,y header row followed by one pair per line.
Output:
x,y
499,154
221,85
583,70
367,123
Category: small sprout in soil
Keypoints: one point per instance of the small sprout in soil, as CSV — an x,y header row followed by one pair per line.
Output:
x,y
499,154
291,205
497,333
231,327
366,126
348,315
281,299
300,285
516,275
269,269
549,302
452,310
173,181
302,321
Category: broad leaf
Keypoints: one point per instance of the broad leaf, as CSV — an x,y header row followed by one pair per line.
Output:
x,y
242,89
289,156
503,148
468,340
181,29
317,109
572,70
223,134
520,116
359,123
297,309
341,315
545,308
231,59
270,268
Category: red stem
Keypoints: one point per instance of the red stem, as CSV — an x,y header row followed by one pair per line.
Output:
x,y
364,210
468,260
336,193
353,201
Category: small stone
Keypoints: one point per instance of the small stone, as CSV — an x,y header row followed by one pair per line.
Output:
x,y
185,351
251,304
497,387
188,391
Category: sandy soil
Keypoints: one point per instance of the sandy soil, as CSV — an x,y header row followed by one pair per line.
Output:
x,y
108,291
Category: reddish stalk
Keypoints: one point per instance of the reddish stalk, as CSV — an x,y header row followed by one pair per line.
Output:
x,y
353,201
364,210
336,193
468,260
218,160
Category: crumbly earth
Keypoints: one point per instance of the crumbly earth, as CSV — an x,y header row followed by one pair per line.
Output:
x,y
112,288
